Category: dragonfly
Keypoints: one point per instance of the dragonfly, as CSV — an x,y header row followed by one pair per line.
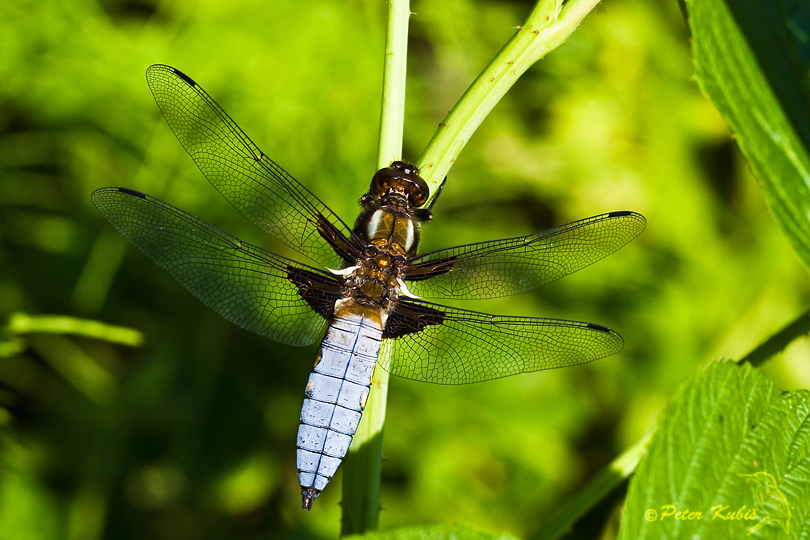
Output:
x,y
363,295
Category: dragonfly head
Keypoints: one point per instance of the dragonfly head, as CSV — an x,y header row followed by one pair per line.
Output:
x,y
400,185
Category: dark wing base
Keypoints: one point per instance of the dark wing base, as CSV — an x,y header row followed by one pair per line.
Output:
x,y
410,318
319,290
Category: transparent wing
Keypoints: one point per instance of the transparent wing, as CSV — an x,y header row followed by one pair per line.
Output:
x,y
504,267
442,345
245,284
268,196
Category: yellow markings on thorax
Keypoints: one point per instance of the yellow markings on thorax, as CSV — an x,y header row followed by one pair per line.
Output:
x,y
388,230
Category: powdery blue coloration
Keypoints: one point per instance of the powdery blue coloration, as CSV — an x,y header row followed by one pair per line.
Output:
x,y
336,395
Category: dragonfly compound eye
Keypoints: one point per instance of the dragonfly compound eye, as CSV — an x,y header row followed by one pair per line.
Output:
x,y
404,177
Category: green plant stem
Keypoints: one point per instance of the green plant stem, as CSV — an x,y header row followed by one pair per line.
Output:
x,y
44,335
777,342
392,110
600,485
77,367
547,27
363,464
22,323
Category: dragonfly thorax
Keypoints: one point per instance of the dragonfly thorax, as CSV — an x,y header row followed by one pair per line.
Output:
x,y
376,279
391,216
391,232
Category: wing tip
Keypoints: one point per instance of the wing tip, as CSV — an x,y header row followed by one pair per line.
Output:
x,y
185,77
102,193
626,213
600,328
131,192
616,340
163,67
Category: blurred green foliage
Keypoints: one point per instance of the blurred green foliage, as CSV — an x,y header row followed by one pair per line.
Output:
x,y
194,435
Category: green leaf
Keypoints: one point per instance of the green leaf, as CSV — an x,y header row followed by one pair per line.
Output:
x,y
435,532
752,59
731,456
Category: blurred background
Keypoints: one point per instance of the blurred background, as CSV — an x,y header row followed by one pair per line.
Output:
x,y
192,434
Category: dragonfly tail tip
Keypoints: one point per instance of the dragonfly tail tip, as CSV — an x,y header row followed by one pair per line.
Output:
x,y
309,495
